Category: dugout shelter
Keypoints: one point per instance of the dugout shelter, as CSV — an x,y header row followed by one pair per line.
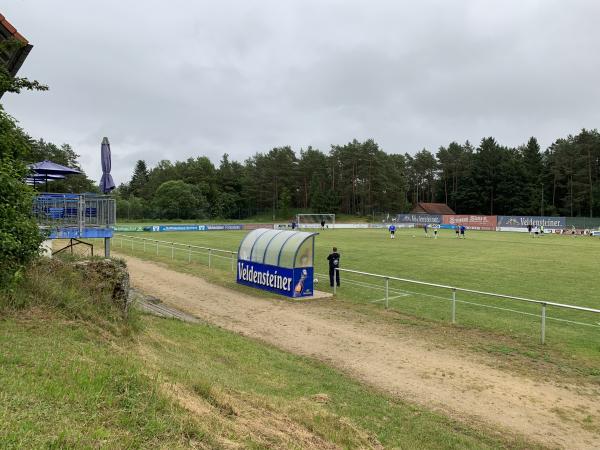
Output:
x,y
278,261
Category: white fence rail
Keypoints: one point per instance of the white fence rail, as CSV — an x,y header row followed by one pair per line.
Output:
x,y
193,251
543,303
154,245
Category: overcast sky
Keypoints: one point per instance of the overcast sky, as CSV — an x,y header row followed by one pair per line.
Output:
x,y
176,79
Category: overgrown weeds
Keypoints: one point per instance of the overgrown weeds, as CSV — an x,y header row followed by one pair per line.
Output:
x,y
56,287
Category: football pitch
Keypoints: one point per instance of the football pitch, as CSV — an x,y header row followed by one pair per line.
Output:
x,y
554,268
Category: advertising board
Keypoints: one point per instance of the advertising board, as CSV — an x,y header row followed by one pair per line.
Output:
x,y
281,280
230,226
184,227
179,228
255,226
419,218
347,225
471,222
522,222
127,228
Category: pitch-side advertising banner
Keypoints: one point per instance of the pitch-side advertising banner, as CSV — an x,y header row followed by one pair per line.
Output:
x,y
229,226
419,218
127,228
317,226
472,222
281,280
225,227
523,221
179,228
254,226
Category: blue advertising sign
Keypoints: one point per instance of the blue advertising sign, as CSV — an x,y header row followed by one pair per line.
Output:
x,y
128,228
179,228
419,218
523,221
225,227
281,280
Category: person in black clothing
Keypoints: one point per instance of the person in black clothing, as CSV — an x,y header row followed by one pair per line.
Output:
x,y
334,263
322,224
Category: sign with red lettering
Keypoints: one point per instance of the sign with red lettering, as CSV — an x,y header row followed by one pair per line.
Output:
x,y
472,222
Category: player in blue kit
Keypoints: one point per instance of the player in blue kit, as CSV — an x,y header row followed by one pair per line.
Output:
x,y
392,229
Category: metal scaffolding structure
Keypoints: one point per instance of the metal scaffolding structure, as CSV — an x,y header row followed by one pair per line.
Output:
x,y
76,216
74,213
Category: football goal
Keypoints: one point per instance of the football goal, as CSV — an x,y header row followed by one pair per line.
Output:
x,y
314,220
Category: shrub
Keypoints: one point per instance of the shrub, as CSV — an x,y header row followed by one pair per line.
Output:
x,y
20,236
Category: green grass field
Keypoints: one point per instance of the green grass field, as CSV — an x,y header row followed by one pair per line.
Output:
x,y
74,373
554,268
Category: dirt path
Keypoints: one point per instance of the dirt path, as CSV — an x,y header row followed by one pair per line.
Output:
x,y
441,379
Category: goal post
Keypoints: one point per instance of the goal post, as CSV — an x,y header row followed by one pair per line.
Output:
x,y
314,220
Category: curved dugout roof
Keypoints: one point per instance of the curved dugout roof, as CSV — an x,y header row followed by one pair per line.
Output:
x,y
282,248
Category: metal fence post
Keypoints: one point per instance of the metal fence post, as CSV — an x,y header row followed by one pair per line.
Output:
x,y
543,323
453,305
334,278
209,257
387,290
189,253
172,250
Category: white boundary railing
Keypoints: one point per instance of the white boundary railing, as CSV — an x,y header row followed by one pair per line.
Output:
x,y
543,303
188,249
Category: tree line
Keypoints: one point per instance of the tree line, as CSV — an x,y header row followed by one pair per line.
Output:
x,y
359,178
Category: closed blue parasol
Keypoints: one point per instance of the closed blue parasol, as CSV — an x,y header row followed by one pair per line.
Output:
x,y
106,182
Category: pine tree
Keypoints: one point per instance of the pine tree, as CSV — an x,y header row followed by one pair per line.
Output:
x,y
139,180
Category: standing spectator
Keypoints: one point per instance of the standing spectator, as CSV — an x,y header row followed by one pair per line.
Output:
x,y
334,263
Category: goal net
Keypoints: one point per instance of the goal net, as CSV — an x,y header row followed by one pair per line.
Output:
x,y
314,220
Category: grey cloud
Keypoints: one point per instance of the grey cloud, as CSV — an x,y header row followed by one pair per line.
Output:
x,y
178,79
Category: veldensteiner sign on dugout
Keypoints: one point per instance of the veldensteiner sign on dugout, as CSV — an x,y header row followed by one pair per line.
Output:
x,y
281,280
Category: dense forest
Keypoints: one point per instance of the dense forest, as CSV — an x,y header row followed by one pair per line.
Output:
x,y
359,178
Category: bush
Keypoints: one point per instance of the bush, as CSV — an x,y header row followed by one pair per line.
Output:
x,y
20,236
72,289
